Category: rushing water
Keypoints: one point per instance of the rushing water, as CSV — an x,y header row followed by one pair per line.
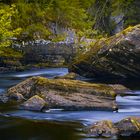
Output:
x,y
57,124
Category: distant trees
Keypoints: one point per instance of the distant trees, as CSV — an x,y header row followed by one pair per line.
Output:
x,y
36,16
32,19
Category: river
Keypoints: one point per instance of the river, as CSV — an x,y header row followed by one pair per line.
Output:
x,y
57,124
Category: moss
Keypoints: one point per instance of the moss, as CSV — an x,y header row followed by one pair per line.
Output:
x,y
41,65
71,76
136,123
45,65
59,38
12,63
109,123
75,86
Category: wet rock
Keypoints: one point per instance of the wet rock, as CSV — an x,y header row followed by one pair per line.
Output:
x,y
16,97
51,53
102,129
3,98
23,88
115,57
119,88
68,94
129,126
34,103
38,55
71,76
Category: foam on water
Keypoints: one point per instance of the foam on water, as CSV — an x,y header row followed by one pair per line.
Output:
x,y
50,72
85,117
1,90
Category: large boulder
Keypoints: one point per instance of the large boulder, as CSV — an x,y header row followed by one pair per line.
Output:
x,y
115,57
67,94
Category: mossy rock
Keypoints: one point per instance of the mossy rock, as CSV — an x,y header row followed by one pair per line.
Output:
x,y
34,103
114,57
129,126
75,85
104,128
126,128
67,94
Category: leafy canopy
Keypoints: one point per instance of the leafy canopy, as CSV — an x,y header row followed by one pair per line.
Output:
x,y
7,32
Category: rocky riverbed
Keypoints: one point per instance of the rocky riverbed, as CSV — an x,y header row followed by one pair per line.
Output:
x,y
72,123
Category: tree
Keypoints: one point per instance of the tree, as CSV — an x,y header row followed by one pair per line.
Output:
x,y
101,12
92,17
35,17
7,32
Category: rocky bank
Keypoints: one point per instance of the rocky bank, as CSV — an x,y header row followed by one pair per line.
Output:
x,y
115,57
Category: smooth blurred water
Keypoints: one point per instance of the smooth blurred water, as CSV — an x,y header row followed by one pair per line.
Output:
x,y
57,124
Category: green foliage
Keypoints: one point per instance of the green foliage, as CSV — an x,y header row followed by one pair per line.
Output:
x,y
89,18
11,63
31,19
60,37
129,9
101,12
121,6
6,29
35,16
10,53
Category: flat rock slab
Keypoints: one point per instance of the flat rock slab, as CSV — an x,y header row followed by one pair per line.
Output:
x,y
66,94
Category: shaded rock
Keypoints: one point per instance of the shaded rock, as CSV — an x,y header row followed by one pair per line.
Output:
x,y
34,103
53,53
23,88
129,126
3,98
68,94
115,57
16,97
71,76
38,54
102,129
